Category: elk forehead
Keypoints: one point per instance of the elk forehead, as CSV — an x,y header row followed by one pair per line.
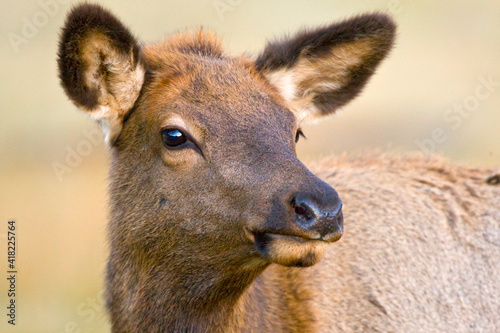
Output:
x,y
214,94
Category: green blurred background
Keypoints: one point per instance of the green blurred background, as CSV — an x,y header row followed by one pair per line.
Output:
x,y
445,50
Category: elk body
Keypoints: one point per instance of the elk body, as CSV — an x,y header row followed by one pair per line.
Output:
x,y
216,226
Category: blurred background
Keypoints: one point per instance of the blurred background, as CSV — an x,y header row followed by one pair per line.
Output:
x,y
439,92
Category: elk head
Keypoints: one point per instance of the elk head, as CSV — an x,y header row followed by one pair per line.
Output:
x,y
204,166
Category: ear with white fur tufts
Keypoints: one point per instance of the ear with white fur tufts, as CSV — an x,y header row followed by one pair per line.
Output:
x,y
99,66
318,71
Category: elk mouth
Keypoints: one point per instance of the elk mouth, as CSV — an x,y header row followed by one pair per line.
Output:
x,y
288,250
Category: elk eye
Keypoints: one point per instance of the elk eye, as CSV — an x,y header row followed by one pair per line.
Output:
x,y
173,138
298,135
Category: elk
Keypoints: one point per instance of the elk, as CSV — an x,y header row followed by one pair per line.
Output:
x,y
215,224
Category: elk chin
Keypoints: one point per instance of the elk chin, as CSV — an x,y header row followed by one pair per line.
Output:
x,y
291,251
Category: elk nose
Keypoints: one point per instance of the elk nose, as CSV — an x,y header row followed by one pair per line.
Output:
x,y
319,217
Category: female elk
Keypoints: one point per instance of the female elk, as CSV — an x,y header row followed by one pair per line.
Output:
x,y
214,219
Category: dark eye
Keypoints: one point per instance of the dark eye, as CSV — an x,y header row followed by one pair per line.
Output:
x,y
173,138
298,135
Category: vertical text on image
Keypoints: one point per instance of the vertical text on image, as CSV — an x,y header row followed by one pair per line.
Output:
x,y
11,272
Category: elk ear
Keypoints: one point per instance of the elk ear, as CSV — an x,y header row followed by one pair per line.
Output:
x,y
99,66
318,71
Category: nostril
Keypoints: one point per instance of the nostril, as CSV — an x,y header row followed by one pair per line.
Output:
x,y
302,210
318,214
299,210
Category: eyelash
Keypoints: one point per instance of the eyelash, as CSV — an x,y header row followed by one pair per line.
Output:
x,y
298,135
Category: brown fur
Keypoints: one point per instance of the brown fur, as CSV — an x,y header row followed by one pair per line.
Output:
x,y
426,260
207,237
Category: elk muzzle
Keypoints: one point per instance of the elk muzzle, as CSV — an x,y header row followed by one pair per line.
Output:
x,y
299,236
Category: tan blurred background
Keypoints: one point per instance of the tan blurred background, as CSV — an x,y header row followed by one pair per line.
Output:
x,y
445,52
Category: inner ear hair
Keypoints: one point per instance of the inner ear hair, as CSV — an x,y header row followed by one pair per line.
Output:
x,y
115,76
99,66
318,71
